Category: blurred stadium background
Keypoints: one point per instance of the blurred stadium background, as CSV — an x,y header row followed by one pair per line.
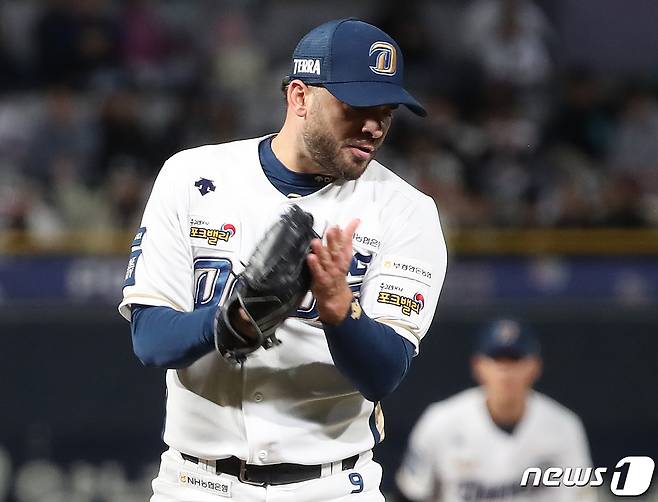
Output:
x,y
541,151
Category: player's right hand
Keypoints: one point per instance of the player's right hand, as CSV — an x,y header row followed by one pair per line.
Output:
x,y
329,265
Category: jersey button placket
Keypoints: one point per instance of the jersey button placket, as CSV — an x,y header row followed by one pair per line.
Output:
x,y
254,397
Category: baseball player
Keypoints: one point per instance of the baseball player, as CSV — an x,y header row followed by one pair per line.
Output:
x,y
294,420
476,445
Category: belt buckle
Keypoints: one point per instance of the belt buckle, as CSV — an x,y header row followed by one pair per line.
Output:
x,y
242,475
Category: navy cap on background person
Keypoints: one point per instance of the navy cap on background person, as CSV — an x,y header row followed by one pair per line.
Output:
x,y
507,338
356,62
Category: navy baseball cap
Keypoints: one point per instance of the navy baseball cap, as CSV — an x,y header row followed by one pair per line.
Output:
x,y
507,338
356,62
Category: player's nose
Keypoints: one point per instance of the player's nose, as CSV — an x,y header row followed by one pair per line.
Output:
x,y
373,128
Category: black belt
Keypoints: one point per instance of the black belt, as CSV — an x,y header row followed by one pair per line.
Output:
x,y
275,474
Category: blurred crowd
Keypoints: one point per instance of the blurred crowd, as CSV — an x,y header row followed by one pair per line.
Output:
x,y
96,94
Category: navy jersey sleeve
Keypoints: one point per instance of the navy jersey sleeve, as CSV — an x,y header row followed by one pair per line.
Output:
x,y
371,354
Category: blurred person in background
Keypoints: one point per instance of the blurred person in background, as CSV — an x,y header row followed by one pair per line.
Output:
x,y
635,147
25,211
202,119
582,120
116,205
64,129
477,444
624,203
122,133
482,17
437,171
238,60
77,42
126,193
143,41
509,40
9,70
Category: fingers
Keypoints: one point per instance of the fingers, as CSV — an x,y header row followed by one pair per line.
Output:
x,y
348,235
321,264
334,258
333,237
323,254
339,243
351,228
320,276
329,265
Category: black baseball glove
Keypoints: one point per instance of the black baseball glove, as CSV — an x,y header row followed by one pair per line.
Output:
x,y
270,289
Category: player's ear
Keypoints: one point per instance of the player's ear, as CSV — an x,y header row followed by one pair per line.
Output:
x,y
476,369
537,367
298,97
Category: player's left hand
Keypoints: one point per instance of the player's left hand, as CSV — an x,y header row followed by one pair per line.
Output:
x,y
329,265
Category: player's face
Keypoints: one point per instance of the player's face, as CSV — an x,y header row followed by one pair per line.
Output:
x,y
506,379
342,139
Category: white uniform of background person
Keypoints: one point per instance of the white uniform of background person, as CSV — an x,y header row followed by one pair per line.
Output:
x,y
457,453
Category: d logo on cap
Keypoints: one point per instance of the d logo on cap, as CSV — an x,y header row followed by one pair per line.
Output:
x,y
386,58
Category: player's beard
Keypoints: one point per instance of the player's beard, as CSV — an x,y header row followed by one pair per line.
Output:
x,y
327,152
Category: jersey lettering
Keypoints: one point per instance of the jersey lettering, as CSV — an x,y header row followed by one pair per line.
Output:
x,y
129,279
358,269
475,491
210,278
357,480
307,66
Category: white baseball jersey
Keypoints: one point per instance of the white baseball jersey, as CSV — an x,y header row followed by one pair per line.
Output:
x,y
207,211
458,454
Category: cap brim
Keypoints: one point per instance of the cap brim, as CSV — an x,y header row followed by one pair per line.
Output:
x,y
505,352
502,351
363,94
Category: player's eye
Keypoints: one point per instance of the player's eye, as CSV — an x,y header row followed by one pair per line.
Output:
x,y
388,110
